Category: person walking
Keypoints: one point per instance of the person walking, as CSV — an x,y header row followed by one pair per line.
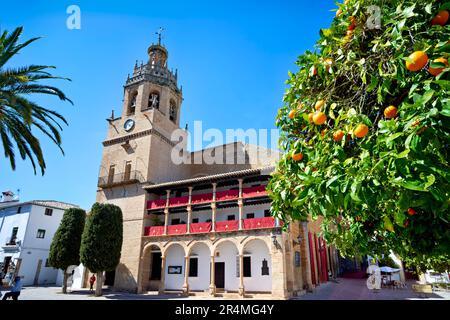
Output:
x,y
15,290
91,282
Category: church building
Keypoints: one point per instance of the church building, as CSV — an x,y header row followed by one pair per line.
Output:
x,y
197,229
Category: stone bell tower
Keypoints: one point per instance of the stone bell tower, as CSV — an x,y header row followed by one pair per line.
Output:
x,y
137,151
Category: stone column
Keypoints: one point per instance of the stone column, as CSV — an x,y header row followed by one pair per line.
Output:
x,y
305,256
166,220
166,212
240,204
213,208
279,284
186,276
163,275
212,285
241,275
189,219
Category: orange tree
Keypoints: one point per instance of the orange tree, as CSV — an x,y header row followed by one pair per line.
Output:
x,y
369,111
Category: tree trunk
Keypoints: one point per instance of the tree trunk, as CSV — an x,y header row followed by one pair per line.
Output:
x,y
64,288
99,284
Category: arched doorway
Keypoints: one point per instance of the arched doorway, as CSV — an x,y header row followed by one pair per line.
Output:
x,y
257,267
200,267
226,259
151,269
175,268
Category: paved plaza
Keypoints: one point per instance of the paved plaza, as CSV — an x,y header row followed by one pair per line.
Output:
x,y
343,289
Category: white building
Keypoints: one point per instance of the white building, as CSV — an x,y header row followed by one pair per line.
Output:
x,y
26,233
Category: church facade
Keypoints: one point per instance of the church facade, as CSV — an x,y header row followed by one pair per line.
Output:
x,y
197,228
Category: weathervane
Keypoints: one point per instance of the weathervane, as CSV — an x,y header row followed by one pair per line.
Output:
x,y
159,33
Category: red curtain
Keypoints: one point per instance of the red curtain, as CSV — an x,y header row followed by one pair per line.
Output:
x,y
258,191
230,225
176,229
179,201
156,204
227,195
200,227
201,198
258,223
154,231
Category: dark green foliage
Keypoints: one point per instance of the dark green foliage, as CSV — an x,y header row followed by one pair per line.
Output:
x,y
19,115
65,247
101,242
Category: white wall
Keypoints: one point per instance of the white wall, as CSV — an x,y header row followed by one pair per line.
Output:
x,y
258,251
202,281
174,257
32,249
77,279
228,254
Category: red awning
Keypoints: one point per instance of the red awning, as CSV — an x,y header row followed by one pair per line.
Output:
x,y
259,223
154,231
231,225
201,227
176,229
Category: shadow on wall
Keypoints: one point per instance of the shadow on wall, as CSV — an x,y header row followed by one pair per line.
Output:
x,y
125,281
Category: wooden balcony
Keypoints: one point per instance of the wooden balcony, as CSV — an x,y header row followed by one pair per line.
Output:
x,y
206,227
120,179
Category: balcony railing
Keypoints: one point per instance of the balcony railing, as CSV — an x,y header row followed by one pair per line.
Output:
x,y
252,192
205,227
120,179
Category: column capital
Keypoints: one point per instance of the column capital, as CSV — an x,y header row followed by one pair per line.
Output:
x,y
213,206
190,189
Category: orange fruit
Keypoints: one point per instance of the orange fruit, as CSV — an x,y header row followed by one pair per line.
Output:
x,y
314,70
322,133
390,112
352,25
339,12
319,118
349,33
297,157
419,60
310,117
292,114
441,18
319,104
361,130
338,135
411,211
438,71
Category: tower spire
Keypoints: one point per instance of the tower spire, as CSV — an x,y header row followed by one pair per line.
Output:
x,y
159,33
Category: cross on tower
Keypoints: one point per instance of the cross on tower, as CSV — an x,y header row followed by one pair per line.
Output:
x,y
159,33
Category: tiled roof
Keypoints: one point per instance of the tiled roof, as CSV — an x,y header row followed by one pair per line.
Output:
x,y
45,203
212,178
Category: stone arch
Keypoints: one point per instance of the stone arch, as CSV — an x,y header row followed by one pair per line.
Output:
x,y
220,241
168,245
174,255
226,255
150,267
132,102
154,100
257,252
245,241
199,266
173,111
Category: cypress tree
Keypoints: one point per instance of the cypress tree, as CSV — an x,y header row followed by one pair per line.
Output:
x,y
101,242
65,247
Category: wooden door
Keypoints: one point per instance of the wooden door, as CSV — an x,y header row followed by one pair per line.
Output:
x,y
219,268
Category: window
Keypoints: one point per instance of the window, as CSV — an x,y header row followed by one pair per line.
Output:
x,y
175,221
195,220
40,234
267,213
127,174
264,268
250,215
247,267
48,211
132,106
13,239
153,100
111,173
193,267
230,217
297,258
173,111
19,209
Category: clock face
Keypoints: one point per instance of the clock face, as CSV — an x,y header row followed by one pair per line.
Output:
x,y
128,125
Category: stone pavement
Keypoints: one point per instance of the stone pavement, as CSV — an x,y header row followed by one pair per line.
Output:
x,y
355,289
344,289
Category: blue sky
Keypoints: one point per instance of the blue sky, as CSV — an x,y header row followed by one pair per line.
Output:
x,y
232,59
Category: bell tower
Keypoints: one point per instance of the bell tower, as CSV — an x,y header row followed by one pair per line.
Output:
x,y
137,151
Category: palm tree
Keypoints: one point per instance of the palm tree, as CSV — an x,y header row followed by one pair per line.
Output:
x,y
19,115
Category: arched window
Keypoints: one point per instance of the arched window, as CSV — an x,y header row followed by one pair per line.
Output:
x,y
173,111
132,104
153,100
